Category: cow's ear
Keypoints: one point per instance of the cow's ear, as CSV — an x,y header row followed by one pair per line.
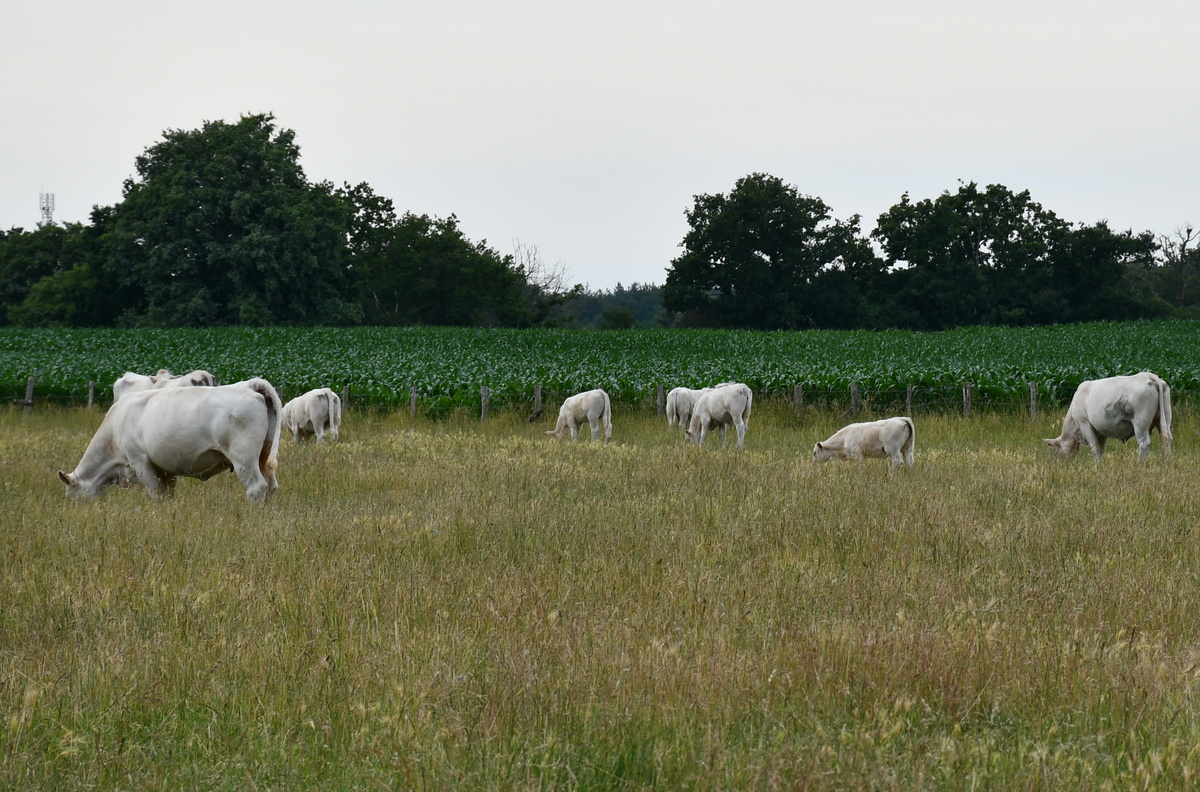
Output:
x,y
64,478
820,446
1050,442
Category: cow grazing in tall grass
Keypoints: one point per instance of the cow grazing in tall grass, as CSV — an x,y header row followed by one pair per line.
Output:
x,y
592,407
890,437
165,433
727,404
680,402
1119,407
314,413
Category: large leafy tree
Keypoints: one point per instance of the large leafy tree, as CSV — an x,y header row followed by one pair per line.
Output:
x,y
222,227
992,256
752,258
425,271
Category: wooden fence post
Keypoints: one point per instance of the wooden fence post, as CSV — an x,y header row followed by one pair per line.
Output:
x,y
412,402
91,394
966,399
908,401
660,402
29,396
798,398
537,401
346,396
483,400
854,398
1033,401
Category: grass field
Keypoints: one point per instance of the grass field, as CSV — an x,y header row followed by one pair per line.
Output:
x,y
448,605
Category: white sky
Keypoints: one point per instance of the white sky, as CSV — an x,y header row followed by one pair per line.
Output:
x,y
586,128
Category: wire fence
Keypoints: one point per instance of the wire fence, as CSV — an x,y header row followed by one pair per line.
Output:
x,y
965,399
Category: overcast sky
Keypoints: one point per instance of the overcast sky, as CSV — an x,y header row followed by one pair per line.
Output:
x,y
586,128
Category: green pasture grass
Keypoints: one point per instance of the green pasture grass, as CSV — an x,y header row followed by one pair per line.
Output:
x,y
456,604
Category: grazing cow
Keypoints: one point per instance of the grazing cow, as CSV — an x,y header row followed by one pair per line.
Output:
x,y
197,432
890,437
130,382
313,413
1120,407
592,406
727,403
680,402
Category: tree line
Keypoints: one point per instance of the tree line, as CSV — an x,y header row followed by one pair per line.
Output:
x,y
766,256
220,226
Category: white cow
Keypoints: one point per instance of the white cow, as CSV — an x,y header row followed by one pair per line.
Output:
x,y
164,433
680,402
592,406
130,382
890,437
313,413
727,403
1120,407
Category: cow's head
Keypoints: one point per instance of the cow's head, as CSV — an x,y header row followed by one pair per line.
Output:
x,y
821,453
73,487
1069,440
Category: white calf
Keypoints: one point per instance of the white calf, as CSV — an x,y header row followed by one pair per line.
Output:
x,y
592,406
313,413
680,403
728,403
891,437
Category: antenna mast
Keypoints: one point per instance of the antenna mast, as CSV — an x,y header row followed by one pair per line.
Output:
x,y
46,201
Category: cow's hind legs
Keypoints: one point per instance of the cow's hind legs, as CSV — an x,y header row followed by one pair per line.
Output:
x,y
257,487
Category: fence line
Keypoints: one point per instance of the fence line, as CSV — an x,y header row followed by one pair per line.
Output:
x,y
965,398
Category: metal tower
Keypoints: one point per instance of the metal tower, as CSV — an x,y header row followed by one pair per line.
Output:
x,y
46,200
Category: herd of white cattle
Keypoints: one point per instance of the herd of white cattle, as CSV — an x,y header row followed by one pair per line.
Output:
x,y
163,426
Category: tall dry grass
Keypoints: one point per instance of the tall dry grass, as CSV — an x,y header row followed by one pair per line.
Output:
x,y
465,605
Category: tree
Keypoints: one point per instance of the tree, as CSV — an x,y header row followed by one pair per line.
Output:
x,y
49,277
429,273
751,257
546,293
221,227
617,319
992,256
642,300
1178,267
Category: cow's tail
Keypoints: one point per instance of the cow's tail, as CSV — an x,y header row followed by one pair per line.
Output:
x,y
607,417
1164,416
910,444
335,414
268,457
672,409
749,401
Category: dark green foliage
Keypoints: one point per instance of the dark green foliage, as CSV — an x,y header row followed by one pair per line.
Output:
x,y
221,227
429,273
992,256
643,301
751,257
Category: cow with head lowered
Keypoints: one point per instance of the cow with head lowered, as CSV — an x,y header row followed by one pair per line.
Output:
x,y
890,437
1119,407
680,402
165,433
727,404
313,413
591,407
